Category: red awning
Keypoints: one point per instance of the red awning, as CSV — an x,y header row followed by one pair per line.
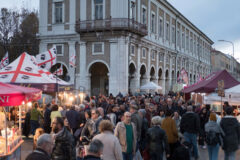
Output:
x,y
210,83
12,95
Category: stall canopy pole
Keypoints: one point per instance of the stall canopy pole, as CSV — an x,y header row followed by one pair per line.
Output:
x,y
20,119
6,137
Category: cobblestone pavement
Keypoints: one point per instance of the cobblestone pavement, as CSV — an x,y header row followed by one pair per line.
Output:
x,y
28,143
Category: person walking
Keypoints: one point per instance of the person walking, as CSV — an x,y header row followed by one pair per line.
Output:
x,y
97,118
44,148
157,140
47,119
73,118
55,113
94,150
203,117
64,148
213,137
112,149
169,126
190,126
231,140
34,120
127,135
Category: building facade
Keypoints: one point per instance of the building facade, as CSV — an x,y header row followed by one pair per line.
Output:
x,y
123,44
221,61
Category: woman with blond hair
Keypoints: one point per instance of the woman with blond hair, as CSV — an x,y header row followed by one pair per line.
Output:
x,y
112,148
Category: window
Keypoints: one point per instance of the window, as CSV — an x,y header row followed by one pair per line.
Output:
x,y
173,35
59,48
167,31
98,48
194,47
132,10
144,15
187,43
132,50
153,55
98,9
191,45
178,37
153,24
160,32
144,53
183,40
161,57
59,12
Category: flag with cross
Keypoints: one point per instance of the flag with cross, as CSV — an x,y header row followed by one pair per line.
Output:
x,y
47,59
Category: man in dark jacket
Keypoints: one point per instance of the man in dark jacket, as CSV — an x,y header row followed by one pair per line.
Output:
x,y
44,148
190,127
231,140
136,119
47,119
95,150
73,118
64,148
156,139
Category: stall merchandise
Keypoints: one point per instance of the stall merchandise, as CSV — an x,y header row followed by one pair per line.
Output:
x,y
10,139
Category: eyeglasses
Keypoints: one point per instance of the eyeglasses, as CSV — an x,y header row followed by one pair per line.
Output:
x,y
93,113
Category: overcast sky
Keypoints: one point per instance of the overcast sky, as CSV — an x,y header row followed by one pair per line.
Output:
x,y
218,19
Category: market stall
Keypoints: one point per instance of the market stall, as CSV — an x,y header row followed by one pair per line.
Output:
x,y
210,83
10,139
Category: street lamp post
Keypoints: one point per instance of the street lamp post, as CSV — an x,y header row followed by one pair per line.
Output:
x,y
232,54
228,42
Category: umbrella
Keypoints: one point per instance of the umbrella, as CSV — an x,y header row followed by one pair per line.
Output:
x,y
151,86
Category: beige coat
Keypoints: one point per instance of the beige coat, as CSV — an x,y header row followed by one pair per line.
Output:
x,y
120,133
111,149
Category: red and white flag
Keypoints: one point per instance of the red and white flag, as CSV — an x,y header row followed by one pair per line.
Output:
x,y
5,61
47,59
59,71
72,60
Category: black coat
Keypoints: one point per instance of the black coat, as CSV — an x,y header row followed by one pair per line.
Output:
x,y
190,123
47,121
73,118
38,154
231,140
157,141
64,148
26,125
89,157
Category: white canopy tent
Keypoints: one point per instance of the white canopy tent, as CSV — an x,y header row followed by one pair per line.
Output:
x,y
213,98
24,70
150,86
233,92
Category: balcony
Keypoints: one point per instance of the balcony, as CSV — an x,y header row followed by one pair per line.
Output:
x,y
116,24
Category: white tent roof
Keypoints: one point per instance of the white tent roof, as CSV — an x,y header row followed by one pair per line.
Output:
x,y
25,70
150,86
234,91
213,98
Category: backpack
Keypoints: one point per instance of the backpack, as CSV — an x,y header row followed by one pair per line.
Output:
x,y
212,138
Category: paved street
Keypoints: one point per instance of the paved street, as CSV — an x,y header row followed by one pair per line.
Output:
x,y
27,148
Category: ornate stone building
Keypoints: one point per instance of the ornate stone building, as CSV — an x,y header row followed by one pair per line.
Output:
x,y
122,44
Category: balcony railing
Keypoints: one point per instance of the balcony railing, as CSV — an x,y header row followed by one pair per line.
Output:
x,y
114,24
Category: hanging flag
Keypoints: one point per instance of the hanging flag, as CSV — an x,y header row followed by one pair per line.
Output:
x,y
5,61
47,59
72,60
59,71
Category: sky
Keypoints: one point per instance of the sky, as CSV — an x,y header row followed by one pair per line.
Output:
x,y
218,19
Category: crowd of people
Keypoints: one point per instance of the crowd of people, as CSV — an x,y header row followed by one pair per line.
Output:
x,y
149,127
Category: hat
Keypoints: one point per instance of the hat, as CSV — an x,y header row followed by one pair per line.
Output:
x,y
213,117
